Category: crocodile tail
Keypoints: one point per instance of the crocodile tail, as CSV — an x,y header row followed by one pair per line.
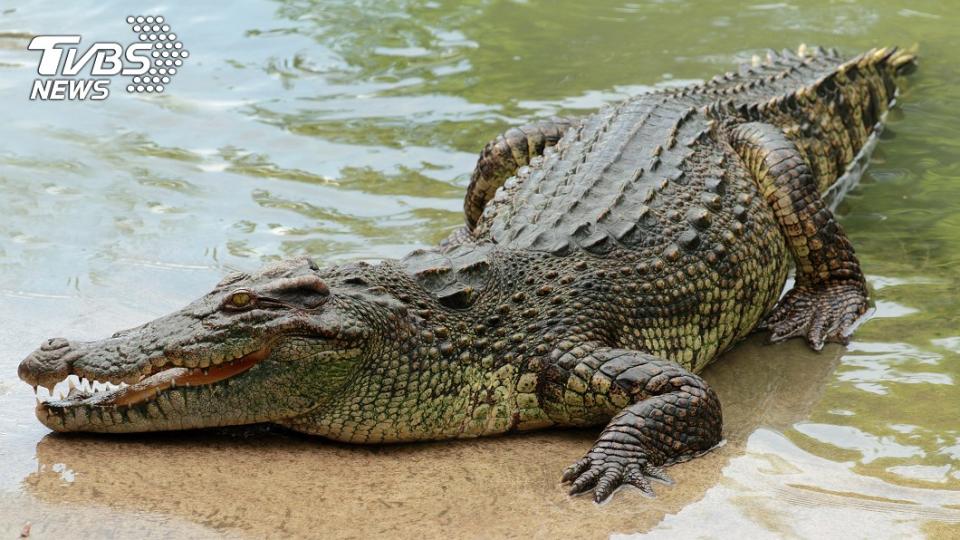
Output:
x,y
902,61
833,118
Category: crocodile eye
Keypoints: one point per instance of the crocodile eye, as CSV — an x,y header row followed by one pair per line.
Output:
x,y
240,299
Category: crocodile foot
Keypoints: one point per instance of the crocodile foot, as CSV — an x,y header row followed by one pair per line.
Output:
x,y
824,313
607,467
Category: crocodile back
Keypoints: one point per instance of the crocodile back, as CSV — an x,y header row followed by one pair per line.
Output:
x,y
610,182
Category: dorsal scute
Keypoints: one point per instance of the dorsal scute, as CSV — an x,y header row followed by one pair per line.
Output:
x,y
608,187
777,73
453,275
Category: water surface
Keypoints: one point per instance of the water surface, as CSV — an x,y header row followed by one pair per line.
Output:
x,y
348,130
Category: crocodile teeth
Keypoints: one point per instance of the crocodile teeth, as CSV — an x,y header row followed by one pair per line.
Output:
x,y
74,387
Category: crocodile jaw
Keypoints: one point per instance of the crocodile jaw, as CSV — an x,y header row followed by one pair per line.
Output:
x,y
78,404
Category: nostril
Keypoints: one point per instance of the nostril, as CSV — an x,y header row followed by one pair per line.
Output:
x,y
53,344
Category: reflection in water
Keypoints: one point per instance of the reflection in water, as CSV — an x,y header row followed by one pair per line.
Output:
x,y
825,500
347,130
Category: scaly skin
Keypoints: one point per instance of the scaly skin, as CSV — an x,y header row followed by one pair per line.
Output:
x,y
614,263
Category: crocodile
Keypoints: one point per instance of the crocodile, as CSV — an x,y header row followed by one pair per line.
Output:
x,y
605,261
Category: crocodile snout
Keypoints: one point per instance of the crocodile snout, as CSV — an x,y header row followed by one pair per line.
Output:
x,y
49,364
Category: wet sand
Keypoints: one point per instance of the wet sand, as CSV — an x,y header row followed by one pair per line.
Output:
x,y
268,482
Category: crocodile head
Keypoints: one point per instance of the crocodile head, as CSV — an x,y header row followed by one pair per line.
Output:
x,y
258,348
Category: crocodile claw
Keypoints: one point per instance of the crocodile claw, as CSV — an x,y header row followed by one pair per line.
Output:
x,y
604,473
820,314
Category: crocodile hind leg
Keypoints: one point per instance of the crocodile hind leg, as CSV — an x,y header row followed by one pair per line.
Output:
x,y
830,293
663,414
501,158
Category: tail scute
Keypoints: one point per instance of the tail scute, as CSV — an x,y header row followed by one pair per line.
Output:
x,y
901,61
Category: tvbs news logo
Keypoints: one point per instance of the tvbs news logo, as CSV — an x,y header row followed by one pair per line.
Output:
x,y
151,62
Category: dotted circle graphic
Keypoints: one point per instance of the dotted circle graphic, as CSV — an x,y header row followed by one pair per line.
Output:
x,y
166,52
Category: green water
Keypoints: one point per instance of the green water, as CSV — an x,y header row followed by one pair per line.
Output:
x,y
345,130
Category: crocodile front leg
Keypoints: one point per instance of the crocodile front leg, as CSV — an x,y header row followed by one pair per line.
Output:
x,y
830,293
663,414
